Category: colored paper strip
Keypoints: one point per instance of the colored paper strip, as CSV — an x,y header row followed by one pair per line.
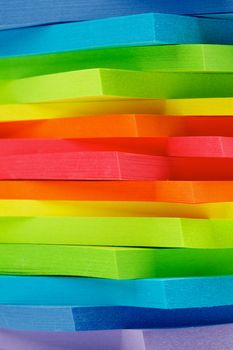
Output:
x,y
23,13
182,107
30,208
68,319
112,166
158,191
125,317
200,107
212,337
186,146
200,146
171,293
128,125
106,83
112,262
169,231
153,146
209,58
151,29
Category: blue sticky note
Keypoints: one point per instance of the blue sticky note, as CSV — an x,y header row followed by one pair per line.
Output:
x,y
137,30
18,13
55,319
164,293
134,318
69,319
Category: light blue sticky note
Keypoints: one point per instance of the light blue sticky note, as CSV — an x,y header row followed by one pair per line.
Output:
x,y
136,30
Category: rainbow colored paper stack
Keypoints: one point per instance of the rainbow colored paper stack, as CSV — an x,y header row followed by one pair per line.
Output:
x,y
116,175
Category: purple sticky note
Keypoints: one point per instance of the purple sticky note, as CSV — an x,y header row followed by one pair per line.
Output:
x,y
218,337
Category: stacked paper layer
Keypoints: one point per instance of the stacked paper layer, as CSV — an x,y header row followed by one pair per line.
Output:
x,y
212,337
116,174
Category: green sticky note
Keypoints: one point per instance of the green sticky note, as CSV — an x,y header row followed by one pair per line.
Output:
x,y
208,58
111,83
117,263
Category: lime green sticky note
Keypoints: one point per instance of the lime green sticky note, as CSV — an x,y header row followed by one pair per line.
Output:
x,y
111,83
118,231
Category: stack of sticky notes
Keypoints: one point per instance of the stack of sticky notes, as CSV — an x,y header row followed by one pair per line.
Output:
x,y
116,175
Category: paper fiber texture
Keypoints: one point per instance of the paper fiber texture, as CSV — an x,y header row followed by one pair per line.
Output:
x,y
109,231
129,209
154,293
154,191
106,83
69,319
110,165
151,29
214,337
112,262
84,166
183,146
22,13
209,58
118,126
181,107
